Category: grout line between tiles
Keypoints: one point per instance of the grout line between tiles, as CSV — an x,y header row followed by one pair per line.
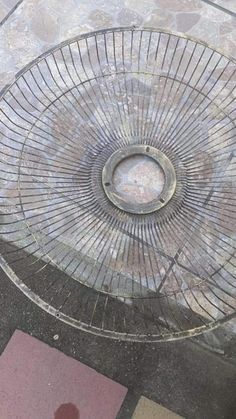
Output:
x,y
219,7
10,12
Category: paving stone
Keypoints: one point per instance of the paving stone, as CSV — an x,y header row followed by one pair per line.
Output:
x,y
5,7
179,6
101,19
45,26
147,409
10,3
42,24
3,10
227,4
38,382
185,21
129,17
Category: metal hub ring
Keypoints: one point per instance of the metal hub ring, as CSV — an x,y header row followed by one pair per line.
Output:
x,y
139,208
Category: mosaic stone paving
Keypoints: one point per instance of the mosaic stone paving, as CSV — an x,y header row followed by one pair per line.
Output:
x,y
43,24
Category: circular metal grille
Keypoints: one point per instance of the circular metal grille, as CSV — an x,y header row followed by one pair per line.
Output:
x,y
158,275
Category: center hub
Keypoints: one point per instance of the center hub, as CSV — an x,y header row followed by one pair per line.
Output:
x,y
139,179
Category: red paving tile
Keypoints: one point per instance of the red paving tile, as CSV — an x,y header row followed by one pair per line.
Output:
x,y
39,382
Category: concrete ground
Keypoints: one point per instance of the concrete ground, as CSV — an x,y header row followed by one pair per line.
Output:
x,y
182,376
196,379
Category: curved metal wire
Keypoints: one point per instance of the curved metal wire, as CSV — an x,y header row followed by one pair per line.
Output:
x,y
159,276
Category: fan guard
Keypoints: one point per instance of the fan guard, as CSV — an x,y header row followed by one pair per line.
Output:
x,y
159,269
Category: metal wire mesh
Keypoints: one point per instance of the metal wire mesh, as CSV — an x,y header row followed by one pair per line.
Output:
x,y
158,276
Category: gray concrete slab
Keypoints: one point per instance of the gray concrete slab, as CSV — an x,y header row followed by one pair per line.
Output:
x,y
181,375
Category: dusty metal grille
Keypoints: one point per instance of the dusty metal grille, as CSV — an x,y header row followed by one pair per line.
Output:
x,y
161,275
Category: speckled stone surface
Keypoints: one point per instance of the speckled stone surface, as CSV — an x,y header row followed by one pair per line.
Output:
x,y
36,25
227,4
6,6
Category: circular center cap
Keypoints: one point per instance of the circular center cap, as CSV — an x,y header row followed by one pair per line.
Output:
x,y
139,179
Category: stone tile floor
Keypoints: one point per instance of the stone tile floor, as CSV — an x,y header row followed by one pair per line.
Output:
x,y
36,25
7,7
228,5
